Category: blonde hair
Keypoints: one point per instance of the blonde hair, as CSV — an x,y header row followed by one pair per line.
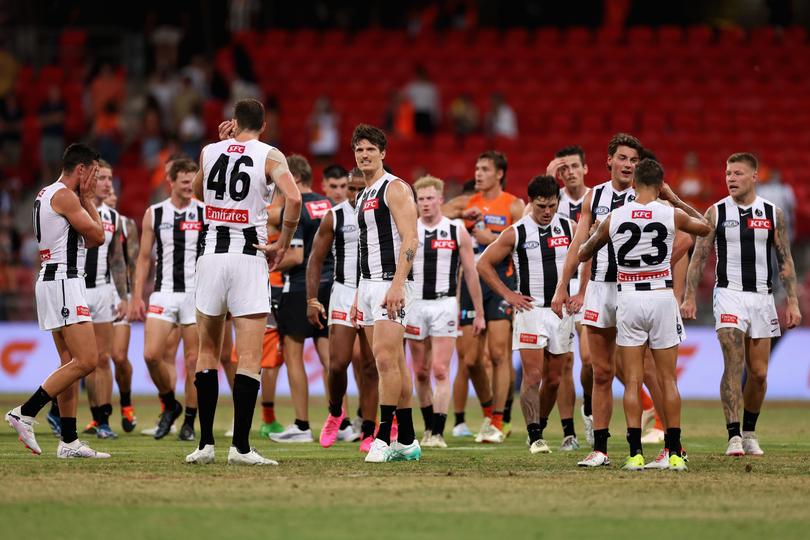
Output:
x,y
104,164
427,182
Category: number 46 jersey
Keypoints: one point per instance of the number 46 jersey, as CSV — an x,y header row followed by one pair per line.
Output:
x,y
236,196
642,236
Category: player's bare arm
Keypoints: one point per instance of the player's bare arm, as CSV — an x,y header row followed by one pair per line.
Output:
x,y
293,256
197,184
571,259
118,268
703,248
321,245
467,256
596,242
80,210
403,210
137,307
493,255
133,246
278,172
787,271
454,208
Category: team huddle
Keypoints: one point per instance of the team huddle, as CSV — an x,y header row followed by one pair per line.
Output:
x,y
250,262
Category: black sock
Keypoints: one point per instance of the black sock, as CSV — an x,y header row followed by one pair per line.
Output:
x,y
245,393
96,413
666,440
368,428
634,440
507,411
485,404
674,441
600,437
543,424
359,412
303,425
733,430
568,427
535,432
459,418
346,423
68,430
168,400
386,417
207,384
191,415
336,410
104,413
54,408
35,403
749,420
406,434
586,404
427,416
126,399
437,427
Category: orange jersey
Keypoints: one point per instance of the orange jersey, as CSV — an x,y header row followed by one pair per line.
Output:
x,y
497,212
276,279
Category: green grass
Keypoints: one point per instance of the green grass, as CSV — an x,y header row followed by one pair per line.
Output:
x,y
466,491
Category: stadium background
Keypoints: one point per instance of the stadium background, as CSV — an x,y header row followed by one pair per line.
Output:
x,y
694,81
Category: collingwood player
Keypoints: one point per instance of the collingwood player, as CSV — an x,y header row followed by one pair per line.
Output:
x,y
235,182
386,216
444,246
745,228
173,227
66,221
538,243
642,233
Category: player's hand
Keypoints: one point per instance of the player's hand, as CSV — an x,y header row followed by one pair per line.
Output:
x,y
394,301
273,252
560,299
315,313
87,183
667,194
519,301
574,303
479,324
121,310
593,228
793,315
353,313
554,166
226,129
137,310
472,214
688,309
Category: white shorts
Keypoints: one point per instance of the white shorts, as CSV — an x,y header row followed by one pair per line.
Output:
x,y
752,313
370,296
174,307
574,288
437,318
340,304
232,282
599,307
103,300
540,328
61,303
649,316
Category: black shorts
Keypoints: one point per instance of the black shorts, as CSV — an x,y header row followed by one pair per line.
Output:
x,y
495,307
292,314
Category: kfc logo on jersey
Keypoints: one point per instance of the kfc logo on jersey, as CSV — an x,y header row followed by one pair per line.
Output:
x,y
728,318
371,204
592,316
108,227
236,149
190,226
45,254
642,214
528,338
318,209
759,224
558,241
443,244
82,311
340,315
226,214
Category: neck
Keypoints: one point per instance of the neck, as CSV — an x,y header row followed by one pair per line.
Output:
x,y
97,201
370,178
575,192
70,181
645,196
431,221
179,201
493,192
745,200
618,185
246,135
304,188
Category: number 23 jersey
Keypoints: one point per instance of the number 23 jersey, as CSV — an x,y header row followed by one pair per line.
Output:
x,y
236,196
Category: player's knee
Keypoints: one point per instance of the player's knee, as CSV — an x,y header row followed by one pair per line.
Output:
x,y
603,375
758,375
532,376
119,358
441,373
86,364
422,375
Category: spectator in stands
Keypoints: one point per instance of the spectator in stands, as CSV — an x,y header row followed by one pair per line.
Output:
x,y
8,69
191,131
399,116
464,115
107,86
199,72
272,119
52,129
782,195
11,125
151,134
107,132
323,130
692,185
424,96
501,119
163,87
185,100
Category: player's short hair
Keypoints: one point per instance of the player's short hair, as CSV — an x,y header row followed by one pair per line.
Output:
x,y
299,168
543,186
649,173
334,171
573,150
356,172
468,187
498,159
646,153
182,165
428,182
249,114
104,164
78,154
372,134
744,157
624,139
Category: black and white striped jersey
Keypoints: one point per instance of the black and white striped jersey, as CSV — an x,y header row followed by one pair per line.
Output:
x,y
177,244
97,261
570,208
61,247
642,235
344,245
435,267
743,241
605,200
236,195
539,256
379,237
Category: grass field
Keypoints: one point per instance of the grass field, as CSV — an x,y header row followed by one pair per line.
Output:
x,y
465,491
